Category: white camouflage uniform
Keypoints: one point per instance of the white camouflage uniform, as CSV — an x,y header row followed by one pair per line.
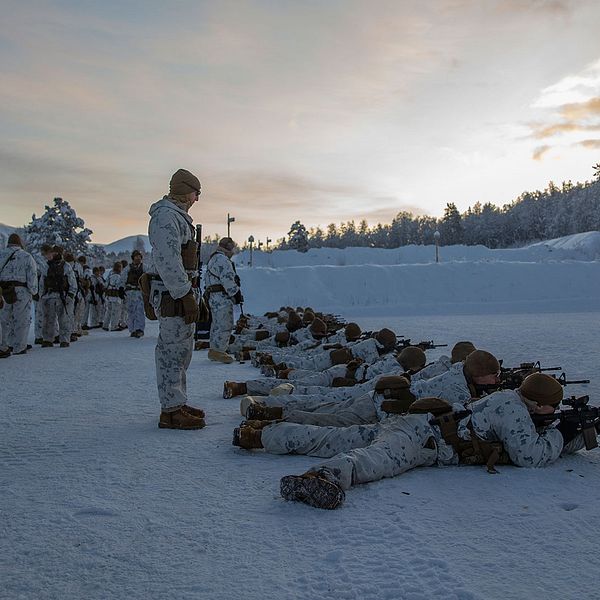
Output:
x,y
220,271
136,318
170,228
57,308
19,266
401,443
112,315
41,263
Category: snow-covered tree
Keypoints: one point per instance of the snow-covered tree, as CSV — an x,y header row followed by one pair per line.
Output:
x,y
59,225
596,168
298,237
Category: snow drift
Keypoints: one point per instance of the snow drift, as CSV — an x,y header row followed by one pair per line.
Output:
x,y
561,275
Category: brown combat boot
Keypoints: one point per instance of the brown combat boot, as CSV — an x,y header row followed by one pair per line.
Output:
x,y
201,345
284,373
247,437
195,412
260,412
180,419
233,388
5,353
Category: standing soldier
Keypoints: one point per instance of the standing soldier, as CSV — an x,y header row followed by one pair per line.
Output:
x,y
136,319
123,318
174,297
58,286
19,283
78,300
114,292
41,262
223,287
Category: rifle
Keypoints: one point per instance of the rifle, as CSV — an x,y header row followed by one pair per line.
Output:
x,y
427,345
511,379
586,417
202,325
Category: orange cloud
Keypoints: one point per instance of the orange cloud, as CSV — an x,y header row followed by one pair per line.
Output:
x,y
539,152
581,110
592,144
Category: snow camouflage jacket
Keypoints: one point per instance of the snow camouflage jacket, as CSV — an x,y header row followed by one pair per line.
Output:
x,y
170,228
20,266
503,417
220,271
451,386
441,365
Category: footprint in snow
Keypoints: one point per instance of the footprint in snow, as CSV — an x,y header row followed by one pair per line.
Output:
x,y
569,506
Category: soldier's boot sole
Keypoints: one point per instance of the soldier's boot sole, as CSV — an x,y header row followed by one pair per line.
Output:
x,y
317,492
189,426
245,402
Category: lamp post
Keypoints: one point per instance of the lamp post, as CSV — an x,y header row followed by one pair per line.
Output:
x,y
230,220
251,241
436,237
259,245
269,240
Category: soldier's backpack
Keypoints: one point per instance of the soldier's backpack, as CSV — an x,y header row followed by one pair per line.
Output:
x,y
56,280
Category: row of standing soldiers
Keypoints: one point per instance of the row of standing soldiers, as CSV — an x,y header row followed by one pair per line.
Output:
x,y
69,297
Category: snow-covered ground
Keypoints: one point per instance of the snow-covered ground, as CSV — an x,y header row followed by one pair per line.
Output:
x,y
96,502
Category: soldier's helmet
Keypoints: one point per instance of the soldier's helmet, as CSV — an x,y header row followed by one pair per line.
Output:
x,y
282,337
117,267
14,239
542,389
412,358
461,350
480,363
352,332
318,328
387,338
294,321
308,317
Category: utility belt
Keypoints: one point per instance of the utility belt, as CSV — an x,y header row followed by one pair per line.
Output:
x,y
474,451
111,293
217,287
129,288
8,290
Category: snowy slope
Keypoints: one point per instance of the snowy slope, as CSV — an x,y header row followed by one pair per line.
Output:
x,y
125,244
580,246
97,503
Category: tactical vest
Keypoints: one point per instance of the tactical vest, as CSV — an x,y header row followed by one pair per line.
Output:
x,y
56,280
474,451
133,276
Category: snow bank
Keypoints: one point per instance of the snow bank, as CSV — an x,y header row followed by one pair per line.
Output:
x,y
445,288
126,244
580,246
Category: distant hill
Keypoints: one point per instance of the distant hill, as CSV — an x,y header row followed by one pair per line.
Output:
x,y
7,229
125,244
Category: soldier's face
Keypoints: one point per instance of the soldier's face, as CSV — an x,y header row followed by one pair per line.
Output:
x,y
487,379
545,409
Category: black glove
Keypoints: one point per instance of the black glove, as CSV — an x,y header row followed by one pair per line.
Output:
x,y
122,293
236,278
238,298
35,297
569,430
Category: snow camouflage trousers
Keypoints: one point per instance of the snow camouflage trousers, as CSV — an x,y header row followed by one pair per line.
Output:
x,y
39,318
79,312
54,310
356,411
399,445
15,319
221,308
112,313
136,318
311,440
172,356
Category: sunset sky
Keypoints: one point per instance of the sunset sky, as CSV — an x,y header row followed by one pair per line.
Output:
x,y
322,111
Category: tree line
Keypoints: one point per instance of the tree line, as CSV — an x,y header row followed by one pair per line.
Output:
x,y
533,216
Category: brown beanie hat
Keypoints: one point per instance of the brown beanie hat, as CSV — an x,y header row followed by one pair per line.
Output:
x,y
183,182
461,350
387,338
542,388
352,332
294,321
480,363
227,243
411,358
318,328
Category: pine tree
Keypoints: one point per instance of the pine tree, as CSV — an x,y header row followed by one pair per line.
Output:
x,y
59,225
451,226
298,237
596,168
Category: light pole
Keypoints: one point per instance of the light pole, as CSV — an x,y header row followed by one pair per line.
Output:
x,y
230,220
259,245
251,241
436,237
269,240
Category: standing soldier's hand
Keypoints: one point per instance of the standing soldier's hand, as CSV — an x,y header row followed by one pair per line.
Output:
x,y
190,308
